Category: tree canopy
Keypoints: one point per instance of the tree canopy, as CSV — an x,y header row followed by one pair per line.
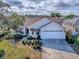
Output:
x,y
55,14
3,21
2,4
13,21
70,16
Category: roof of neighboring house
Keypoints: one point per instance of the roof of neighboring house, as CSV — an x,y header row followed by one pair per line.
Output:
x,y
70,25
30,21
74,21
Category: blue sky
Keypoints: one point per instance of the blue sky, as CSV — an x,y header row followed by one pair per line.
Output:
x,y
44,6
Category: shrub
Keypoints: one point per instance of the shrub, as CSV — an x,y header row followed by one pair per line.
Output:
x,y
2,52
35,43
34,47
27,58
9,36
40,44
38,38
77,40
23,42
71,41
2,34
30,38
38,47
17,36
28,43
69,37
32,43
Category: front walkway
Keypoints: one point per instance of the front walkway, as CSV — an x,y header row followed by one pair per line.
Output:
x,y
57,49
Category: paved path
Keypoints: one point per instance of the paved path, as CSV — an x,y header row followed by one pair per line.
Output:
x,y
57,49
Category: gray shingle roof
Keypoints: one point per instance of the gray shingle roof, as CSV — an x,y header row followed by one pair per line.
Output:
x,y
74,21
30,21
40,23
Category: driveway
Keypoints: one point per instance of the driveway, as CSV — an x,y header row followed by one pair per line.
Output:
x,y
57,49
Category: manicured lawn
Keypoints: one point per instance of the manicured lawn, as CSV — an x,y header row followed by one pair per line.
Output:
x,y
19,51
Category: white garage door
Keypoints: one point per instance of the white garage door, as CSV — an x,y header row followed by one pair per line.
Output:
x,y
52,31
52,34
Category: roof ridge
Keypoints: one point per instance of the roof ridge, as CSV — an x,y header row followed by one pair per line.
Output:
x,y
41,22
46,24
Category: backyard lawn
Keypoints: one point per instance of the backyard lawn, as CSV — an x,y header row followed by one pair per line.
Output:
x,y
18,51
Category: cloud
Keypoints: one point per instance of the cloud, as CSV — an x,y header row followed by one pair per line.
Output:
x,y
44,6
36,1
14,2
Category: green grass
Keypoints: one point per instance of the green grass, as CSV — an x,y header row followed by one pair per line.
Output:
x,y
77,40
18,52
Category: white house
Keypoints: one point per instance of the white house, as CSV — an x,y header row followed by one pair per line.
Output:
x,y
52,31
45,28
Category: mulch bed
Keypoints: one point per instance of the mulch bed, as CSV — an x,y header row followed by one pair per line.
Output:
x,y
75,47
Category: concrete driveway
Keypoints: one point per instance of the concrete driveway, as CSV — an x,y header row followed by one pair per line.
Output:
x,y
57,49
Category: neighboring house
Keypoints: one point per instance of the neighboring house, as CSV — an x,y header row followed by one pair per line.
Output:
x,y
71,25
45,28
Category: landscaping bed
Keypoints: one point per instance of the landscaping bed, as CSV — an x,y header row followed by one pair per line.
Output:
x,y
34,43
74,43
18,51
75,47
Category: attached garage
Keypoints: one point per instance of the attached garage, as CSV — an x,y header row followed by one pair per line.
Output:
x,y
46,28
52,31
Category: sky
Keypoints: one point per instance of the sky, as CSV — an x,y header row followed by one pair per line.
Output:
x,y
44,6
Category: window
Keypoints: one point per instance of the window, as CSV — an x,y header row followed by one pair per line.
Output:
x,y
32,32
77,30
27,30
37,33
53,31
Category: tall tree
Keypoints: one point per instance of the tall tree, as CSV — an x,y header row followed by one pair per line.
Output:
x,y
15,20
3,21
